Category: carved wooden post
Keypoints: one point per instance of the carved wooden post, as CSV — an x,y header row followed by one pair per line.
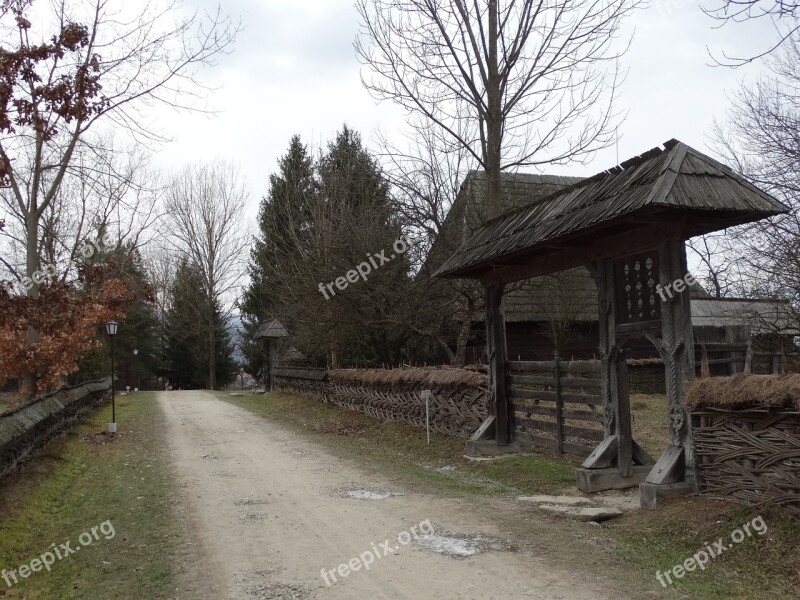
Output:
x,y
267,365
677,350
496,338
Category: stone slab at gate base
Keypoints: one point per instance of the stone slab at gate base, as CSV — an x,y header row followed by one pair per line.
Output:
x,y
653,496
598,480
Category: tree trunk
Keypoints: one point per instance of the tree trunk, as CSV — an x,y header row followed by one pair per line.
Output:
x,y
212,358
31,267
494,120
463,335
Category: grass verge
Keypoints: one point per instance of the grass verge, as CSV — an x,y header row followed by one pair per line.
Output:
x,y
631,548
403,450
81,481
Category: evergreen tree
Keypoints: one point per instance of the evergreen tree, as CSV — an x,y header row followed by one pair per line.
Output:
x,y
284,222
187,350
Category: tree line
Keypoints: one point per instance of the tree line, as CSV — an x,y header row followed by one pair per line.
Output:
x,y
491,86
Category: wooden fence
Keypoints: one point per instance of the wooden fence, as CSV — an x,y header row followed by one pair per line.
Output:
x,y
457,406
557,404
29,427
749,455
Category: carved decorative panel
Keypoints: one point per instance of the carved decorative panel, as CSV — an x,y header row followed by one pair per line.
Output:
x,y
635,280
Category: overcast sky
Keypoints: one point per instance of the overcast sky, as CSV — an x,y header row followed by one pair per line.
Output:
x,y
294,71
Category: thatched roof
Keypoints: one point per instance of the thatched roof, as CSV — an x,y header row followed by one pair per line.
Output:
x,y
674,185
300,373
745,392
271,329
430,377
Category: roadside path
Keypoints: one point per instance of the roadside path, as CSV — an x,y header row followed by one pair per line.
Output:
x,y
272,510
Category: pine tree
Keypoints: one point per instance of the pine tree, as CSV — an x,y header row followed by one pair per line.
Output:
x,y
187,350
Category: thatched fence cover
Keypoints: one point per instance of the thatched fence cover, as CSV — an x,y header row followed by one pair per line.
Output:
x,y
32,425
458,403
746,433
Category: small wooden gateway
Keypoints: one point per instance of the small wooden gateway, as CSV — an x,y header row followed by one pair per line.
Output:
x,y
628,226
269,331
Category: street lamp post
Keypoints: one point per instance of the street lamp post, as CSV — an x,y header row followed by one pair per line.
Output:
x,y
111,329
136,369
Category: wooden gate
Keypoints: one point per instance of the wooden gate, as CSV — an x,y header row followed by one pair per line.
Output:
x,y
557,404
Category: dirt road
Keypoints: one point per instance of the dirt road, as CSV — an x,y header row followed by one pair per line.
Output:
x,y
272,511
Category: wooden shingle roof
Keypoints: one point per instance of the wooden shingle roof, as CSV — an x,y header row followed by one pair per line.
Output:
x,y
676,183
271,329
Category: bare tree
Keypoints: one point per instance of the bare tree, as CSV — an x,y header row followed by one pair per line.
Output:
x,y
784,14
517,83
109,191
426,177
92,62
205,206
760,138
719,271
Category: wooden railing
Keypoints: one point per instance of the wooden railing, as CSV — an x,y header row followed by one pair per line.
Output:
x,y
557,404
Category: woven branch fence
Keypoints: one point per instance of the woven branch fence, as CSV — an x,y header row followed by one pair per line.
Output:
x,y
31,426
457,407
746,432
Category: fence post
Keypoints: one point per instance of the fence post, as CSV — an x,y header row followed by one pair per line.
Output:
x,y
559,408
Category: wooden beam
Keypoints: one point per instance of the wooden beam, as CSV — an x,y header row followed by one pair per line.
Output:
x,y
601,247
623,414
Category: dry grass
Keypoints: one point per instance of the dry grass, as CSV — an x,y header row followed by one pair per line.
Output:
x,y
745,391
432,377
650,426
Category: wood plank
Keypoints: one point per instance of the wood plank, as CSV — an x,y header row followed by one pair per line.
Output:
x,y
531,380
575,398
623,406
573,415
569,430
485,429
515,393
570,398
604,455
573,366
576,449
580,382
559,409
566,381
541,442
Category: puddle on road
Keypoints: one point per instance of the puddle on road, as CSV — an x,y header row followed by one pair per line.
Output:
x,y
250,502
252,517
301,454
462,546
367,493
224,474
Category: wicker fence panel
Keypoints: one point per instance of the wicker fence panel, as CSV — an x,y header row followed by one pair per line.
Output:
x,y
25,429
750,456
456,410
